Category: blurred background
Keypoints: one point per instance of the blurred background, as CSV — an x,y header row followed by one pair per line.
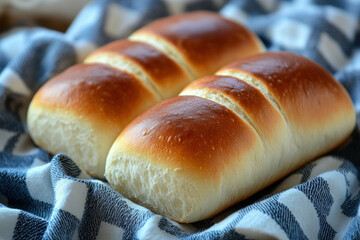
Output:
x,y
53,14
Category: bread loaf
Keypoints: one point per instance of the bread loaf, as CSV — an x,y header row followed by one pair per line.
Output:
x,y
81,111
230,135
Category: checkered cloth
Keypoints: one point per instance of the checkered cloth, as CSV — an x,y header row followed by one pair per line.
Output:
x,y
45,196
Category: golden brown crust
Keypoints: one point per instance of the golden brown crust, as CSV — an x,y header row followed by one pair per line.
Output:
x,y
262,114
98,92
307,92
207,40
224,158
166,74
189,133
124,78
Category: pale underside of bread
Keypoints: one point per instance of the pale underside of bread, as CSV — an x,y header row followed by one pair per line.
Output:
x,y
62,131
173,193
269,157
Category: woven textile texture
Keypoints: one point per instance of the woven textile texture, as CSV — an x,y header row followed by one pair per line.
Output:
x,y
50,197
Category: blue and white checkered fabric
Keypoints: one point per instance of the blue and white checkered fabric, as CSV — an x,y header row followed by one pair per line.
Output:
x,y
49,197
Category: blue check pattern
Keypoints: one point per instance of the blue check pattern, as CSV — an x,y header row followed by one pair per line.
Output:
x,y
49,197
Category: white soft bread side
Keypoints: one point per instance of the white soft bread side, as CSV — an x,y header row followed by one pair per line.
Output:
x,y
150,74
230,135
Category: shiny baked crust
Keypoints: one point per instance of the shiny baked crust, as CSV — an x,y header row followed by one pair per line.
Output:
x,y
159,71
104,109
230,135
81,112
195,40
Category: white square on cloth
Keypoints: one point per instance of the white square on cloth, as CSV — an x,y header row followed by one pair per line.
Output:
x,y
290,34
38,182
70,196
332,52
5,136
9,217
109,231
256,224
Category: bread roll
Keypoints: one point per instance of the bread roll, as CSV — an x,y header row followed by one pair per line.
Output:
x,y
80,112
230,135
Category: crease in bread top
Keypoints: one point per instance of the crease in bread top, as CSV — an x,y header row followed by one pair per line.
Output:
x,y
253,107
245,100
254,82
158,72
307,96
166,48
287,79
201,42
